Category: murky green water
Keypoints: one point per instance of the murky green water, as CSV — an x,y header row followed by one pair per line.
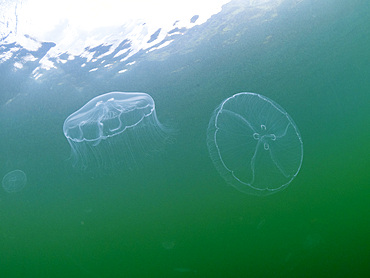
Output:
x,y
174,216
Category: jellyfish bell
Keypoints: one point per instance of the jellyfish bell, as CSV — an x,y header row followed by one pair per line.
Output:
x,y
14,181
254,144
113,129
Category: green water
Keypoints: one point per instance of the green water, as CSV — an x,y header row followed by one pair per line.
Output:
x,y
174,216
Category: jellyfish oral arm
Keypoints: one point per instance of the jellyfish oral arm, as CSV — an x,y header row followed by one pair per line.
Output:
x,y
239,117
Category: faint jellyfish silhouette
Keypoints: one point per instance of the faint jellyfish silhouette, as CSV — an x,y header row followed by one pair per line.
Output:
x,y
14,181
114,129
254,144
168,244
312,241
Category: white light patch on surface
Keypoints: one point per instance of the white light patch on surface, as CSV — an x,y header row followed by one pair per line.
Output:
x,y
77,25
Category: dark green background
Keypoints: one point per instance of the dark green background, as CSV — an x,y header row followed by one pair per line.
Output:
x,y
175,216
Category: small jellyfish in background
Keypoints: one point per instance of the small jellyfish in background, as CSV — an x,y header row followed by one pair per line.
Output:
x,y
114,129
14,181
254,144
168,244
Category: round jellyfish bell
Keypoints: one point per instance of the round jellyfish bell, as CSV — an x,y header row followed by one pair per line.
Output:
x,y
14,181
254,144
114,129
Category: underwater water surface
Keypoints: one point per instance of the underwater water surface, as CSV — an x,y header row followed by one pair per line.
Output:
x,y
168,212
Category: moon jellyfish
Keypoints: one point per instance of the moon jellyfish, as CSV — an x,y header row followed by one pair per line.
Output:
x,y
254,144
113,129
14,181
